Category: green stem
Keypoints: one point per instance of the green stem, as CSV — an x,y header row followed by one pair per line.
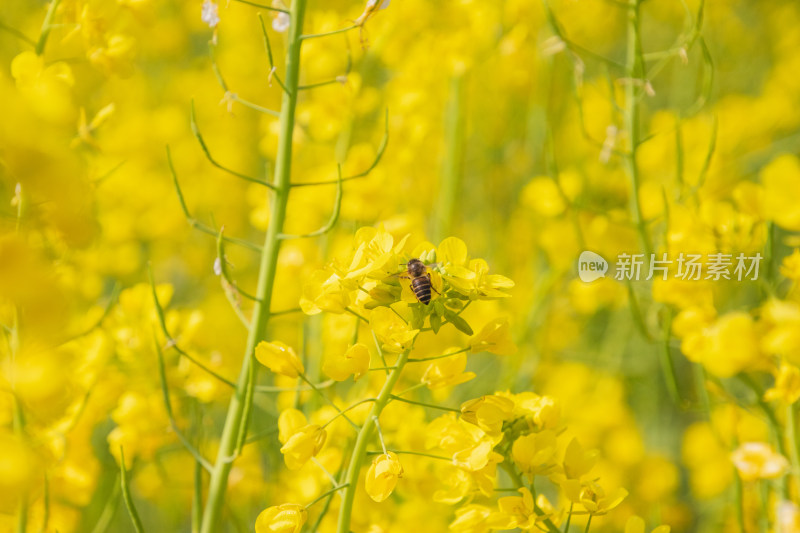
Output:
x,y
410,452
329,401
794,452
423,404
763,498
46,26
266,277
126,494
667,367
739,497
433,358
109,509
588,524
16,33
22,513
360,402
410,389
46,497
18,423
569,517
359,451
327,33
453,160
774,425
702,391
197,497
634,71
325,494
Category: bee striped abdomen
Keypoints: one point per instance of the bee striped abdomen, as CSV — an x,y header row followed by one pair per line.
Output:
x,y
422,289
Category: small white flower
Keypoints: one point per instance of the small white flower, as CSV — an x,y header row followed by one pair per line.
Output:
x,y
608,144
757,460
15,201
684,55
553,46
210,14
217,267
788,516
281,22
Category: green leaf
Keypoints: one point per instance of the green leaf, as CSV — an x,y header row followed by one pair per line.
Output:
x,y
417,317
436,322
460,324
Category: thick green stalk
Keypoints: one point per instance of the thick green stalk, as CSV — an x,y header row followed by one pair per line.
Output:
x,y
266,275
635,73
359,451
453,162
794,452
19,429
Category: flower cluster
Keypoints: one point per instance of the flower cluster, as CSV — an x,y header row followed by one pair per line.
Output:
x,y
273,394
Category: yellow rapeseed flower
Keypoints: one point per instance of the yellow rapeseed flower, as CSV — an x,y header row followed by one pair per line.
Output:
x,y
577,461
447,372
324,292
787,385
727,347
790,266
515,512
470,447
781,195
535,453
279,358
284,518
488,412
393,332
474,280
289,422
635,524
353,362
456,482
302,445
471,518
495,337
543,411
382,476
592,496
781,321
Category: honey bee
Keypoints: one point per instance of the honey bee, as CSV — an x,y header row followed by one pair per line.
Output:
x,y
420,280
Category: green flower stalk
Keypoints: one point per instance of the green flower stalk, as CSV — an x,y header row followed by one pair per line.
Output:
x,y
359,451
235,419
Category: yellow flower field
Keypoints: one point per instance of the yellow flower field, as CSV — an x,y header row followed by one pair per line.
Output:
x,y
407,266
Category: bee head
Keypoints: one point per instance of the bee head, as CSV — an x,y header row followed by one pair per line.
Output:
x,y
416,268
